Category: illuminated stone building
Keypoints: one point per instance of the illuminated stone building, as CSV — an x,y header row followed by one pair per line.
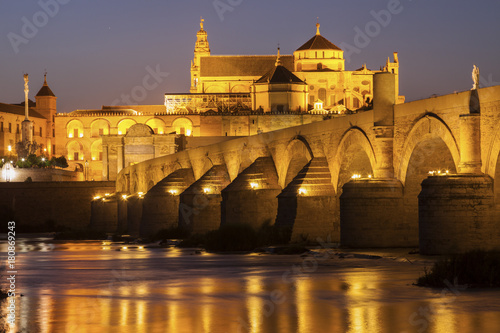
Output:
x,y
41,113
235,95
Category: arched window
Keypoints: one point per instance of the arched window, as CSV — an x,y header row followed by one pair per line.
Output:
x,y
74,129
183,126
124,125
157,124
75,151
96,150
99,127
322,94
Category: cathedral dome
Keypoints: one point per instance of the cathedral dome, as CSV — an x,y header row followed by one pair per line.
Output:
x,y
318,42
318,54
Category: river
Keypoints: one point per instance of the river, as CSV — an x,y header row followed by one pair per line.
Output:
x,y
95,286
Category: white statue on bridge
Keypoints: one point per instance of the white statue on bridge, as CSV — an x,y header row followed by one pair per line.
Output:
x,y
475,77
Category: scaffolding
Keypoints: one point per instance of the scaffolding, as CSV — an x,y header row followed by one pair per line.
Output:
x,y
200,103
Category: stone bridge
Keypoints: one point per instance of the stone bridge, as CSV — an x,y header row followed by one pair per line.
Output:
x,y
405,175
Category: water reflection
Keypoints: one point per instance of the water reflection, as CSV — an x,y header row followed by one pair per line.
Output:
x,y
81,287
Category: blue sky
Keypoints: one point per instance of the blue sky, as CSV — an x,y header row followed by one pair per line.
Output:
x,y
96,51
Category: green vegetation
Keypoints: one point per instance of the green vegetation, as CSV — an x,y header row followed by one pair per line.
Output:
x,y
33,161
476,269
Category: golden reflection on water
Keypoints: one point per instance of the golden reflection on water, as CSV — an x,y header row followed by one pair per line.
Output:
x,y
361,294
254,302
350,300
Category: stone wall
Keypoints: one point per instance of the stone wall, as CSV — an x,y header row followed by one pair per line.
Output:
x,y
64,203
41,175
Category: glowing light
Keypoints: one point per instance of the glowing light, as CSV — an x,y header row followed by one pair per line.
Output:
x,y
93,158
119,132
370,176
141,247
70,135
43,159
81,135
124,196
302,190
124,248
447,171
172,191
22,159
254,185
160,132
356,176
9,148
207,190
188,132
97,197
44,149
140,194
107,194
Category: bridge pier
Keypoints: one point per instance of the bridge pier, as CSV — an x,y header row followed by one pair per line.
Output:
x,y
200,204
371,215
104,214
310,193
252,196
134,214
456,214
160,208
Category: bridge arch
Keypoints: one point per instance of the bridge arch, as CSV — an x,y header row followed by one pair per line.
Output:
x,y
428,127
492,158
352,138
298,153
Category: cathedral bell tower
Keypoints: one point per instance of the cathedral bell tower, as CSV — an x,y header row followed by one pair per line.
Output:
x,y
46,105
201,49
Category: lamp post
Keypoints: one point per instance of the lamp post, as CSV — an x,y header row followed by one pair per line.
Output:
x,y
86,170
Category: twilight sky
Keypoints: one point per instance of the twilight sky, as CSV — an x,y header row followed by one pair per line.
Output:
x,y
97,51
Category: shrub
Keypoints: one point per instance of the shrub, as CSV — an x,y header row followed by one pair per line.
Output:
x,y
475,269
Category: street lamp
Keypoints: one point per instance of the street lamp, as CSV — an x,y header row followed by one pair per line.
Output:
x,y
86,170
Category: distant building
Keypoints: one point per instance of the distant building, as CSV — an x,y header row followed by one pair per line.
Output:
x,y
42,113
229,96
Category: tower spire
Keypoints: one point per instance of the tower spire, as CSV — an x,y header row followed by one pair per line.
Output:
x,y
201,23
278,57
317,26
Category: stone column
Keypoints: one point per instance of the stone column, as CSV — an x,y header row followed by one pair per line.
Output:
x,y
470,143
119,158
105,171
384,87
384,139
